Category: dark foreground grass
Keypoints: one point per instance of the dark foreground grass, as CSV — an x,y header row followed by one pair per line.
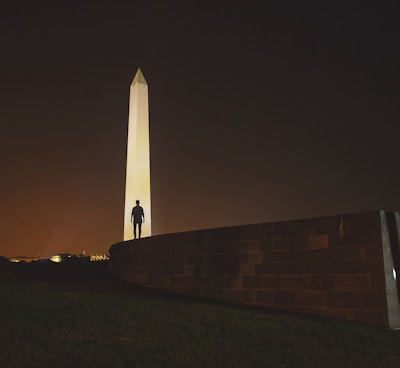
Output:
x,y
63,318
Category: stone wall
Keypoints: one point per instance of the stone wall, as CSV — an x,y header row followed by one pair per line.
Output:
x,y
339,266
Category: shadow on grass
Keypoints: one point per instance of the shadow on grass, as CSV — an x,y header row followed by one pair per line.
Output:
x,y
80,312
97,277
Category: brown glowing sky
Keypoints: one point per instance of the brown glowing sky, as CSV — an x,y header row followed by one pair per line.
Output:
x,y
257,113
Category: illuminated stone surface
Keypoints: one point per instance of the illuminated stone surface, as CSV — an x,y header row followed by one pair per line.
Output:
x,y
138,156
349,273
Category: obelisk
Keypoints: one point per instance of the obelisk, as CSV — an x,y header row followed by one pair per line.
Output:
x,y
138,156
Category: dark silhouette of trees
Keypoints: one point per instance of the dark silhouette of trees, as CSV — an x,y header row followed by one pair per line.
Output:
x,y
4,260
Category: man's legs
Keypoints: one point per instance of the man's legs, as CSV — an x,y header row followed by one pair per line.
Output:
x,y
139,225
140,229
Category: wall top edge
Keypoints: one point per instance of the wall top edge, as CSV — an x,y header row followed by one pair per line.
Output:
x,y
346,217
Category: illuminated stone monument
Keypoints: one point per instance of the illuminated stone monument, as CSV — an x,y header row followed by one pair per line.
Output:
x,y
138,156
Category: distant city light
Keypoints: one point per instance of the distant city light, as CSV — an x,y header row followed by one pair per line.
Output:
x,y
20,259
99,257
57,258
63,257
80,257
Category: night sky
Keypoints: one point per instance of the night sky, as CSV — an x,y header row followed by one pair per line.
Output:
x,y
258,113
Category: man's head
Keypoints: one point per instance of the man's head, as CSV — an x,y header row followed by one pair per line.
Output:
x,y
137,202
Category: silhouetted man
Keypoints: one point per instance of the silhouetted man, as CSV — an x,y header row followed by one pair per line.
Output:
x,y
137,217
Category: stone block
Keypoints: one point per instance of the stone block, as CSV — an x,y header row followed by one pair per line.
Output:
x,y
357,282
283,297
264,297
271,268
342,267
322,282
270,282
254,258
163,281
276,234
137,279
183,281
233,269
311,298
316,268
333,254
296,268
228,259
295,282
136,270
171,260
251,282
337,240
367,238
247,269
318,241
280,244
378,283
299,242
370,266
173,270
363,252
233,282
313,254
325,227
343,300
246,296
376,301
194,259
281,256
266,245
206,269
356,227
227,281
252,246
188,281
371,317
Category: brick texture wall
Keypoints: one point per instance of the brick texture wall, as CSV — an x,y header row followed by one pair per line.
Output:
x,y
333,266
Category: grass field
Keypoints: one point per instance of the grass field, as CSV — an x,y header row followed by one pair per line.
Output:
x,y
85,318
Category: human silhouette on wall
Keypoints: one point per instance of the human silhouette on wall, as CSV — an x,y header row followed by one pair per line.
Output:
x,y
137,217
